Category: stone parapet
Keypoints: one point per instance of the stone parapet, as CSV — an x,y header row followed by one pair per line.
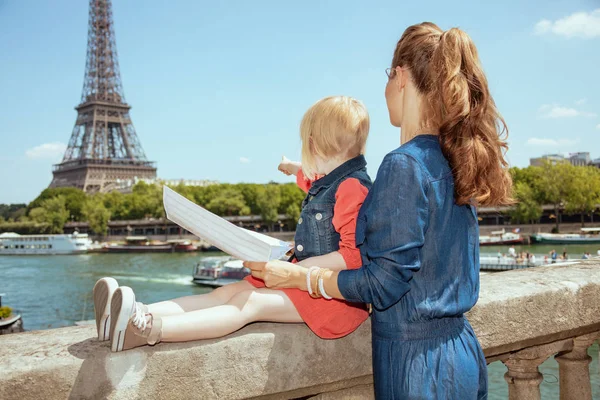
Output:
x,y
522,317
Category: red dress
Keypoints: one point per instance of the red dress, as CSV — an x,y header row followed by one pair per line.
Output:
x,y
331,319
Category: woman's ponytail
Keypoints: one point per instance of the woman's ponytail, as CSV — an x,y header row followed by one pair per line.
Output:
x,y
472,131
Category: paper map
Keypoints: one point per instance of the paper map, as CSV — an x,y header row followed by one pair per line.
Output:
x,y
233,240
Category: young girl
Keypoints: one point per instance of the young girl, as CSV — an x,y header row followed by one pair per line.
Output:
x,y
333,132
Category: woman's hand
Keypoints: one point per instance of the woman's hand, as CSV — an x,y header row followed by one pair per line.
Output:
x,y
278,274
289,167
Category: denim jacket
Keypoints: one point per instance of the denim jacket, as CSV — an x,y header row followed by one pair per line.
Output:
x,y
315,233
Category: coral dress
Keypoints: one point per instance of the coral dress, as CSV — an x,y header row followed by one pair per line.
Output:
x,y
331,319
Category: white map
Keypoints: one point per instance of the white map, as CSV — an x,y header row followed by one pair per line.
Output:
x,y
233,240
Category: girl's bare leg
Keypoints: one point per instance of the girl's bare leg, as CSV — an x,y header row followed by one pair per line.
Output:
x,y
181,305
243,308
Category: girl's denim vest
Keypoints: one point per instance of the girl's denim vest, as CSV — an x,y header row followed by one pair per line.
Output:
x,y
315,234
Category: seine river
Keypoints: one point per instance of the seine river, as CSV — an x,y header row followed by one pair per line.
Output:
x,y
55,291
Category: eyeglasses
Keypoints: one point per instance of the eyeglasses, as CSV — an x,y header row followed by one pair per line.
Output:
x,y
390,72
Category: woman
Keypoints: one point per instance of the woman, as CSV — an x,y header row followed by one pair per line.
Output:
x,y
417,229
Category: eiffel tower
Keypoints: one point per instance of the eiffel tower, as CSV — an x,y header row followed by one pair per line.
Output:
x,y
104,147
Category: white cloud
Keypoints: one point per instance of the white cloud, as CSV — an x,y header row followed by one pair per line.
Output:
x,y
551,142
557,111
580,24
244,160
598,126
47,151
581,101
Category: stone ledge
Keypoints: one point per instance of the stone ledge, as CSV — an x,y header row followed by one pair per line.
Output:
x,y
516,309
521,308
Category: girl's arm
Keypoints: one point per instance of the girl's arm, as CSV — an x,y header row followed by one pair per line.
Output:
x,y
302,181
396,229
289,167
333,261
349,198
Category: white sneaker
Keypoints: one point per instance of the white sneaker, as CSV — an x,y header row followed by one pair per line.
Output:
x,y
131,324
103,292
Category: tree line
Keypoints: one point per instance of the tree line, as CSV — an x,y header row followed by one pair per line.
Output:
x,y
567,188
54,207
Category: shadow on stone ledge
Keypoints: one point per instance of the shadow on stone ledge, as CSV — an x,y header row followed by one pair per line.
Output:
x,y
104,372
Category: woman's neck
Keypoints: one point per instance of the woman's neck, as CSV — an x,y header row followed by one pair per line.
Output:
x,y
407,134
414,122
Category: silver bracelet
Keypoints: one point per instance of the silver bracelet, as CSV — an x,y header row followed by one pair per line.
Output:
x,y
310,270
322,290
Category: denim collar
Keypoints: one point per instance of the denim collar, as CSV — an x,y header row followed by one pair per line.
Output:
x,y
350,166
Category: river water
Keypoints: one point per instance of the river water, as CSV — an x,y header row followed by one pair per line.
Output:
x,y
55,291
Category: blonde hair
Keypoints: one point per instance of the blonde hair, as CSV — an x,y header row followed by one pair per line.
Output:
x,y
446,70
333,126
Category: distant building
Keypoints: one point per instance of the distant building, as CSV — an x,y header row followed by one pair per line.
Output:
x,y
596,163
579,159
126,185
187,182
551,158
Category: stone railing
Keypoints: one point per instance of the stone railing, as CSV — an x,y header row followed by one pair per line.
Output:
x,y
522,318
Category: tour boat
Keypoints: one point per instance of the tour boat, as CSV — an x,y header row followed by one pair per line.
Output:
x,y
219,271
14,244
500,238
502,262
182,245
587,236
141,244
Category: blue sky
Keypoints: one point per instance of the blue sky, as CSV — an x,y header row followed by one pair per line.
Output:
x,y
218,88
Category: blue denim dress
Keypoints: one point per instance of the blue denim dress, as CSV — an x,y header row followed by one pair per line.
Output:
x,y
420,272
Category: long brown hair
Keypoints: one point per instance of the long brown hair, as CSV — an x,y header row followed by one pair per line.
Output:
x,y
446,71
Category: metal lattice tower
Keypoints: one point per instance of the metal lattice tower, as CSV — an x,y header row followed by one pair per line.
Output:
x,y
104,146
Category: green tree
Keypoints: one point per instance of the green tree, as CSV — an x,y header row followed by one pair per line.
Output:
x,y
268,200
584,193
97,215
293,212
56,213
250,193
12,211
528,209
291,194
554,185
19,214
146,201
38,214
228,202
186,191
205,194
74,200
115,203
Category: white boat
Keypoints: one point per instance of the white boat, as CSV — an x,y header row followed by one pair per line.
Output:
x,y
500,238
587,236
502,262
219,271
14,244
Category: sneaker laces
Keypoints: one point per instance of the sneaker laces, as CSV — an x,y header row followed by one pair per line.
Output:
x,y
139,318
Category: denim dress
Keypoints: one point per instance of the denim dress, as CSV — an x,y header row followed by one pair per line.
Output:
x,y
420,253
